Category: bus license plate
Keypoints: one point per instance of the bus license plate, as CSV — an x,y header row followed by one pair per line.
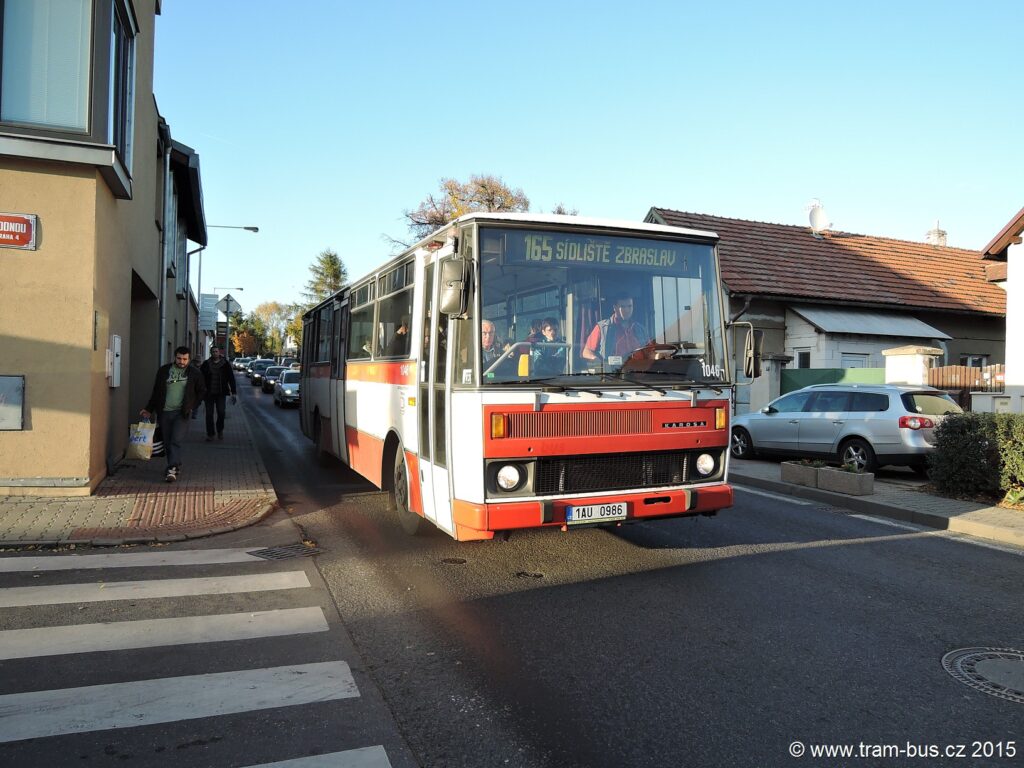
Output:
x,y
595,513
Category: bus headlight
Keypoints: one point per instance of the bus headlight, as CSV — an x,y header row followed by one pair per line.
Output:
x,y
705,464
509,477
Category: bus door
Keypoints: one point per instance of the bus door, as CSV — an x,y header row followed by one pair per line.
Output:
x,y
339,336
433,410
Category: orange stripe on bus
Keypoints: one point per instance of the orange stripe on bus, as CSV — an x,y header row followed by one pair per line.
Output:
x,y
412,466
365,454
402,372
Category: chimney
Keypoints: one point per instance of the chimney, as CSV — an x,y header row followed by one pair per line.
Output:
x,y
936,236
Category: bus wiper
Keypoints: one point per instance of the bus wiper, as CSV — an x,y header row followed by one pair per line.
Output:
x,y
551,382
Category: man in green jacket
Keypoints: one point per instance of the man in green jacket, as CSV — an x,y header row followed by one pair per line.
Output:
x,y
177,391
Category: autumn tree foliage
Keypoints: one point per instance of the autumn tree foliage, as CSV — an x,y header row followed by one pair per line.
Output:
x,y
455,198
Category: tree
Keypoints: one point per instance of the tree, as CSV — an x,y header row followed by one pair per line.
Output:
x,y
561,210
274,316
329,274
248,334
480,193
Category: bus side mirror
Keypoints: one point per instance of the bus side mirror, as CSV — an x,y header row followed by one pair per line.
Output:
x,y
753,350
454,287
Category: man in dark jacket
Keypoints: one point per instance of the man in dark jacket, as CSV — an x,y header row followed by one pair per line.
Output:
x,y
177,392
220,382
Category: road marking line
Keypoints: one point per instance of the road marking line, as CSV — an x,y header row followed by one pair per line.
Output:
x,y
367,757
146,702
153,633
776,496
128,560
13,597
893,523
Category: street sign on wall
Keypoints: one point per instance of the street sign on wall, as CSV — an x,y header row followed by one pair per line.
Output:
x,y
18,230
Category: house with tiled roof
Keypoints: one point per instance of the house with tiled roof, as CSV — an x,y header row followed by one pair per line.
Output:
x,y
1004,266
831,299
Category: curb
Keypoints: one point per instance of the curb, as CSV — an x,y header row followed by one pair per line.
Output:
x,y
150,536
865,506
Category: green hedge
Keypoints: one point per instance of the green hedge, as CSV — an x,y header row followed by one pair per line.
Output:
x,y
979,454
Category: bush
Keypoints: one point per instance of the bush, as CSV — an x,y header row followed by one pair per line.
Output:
x,y
966,459
979,454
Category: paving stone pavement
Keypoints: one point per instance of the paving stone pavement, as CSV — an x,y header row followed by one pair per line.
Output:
x,y
222,486
898,495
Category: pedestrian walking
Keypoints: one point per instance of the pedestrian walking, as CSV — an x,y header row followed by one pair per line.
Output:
x,y
220,382
177,392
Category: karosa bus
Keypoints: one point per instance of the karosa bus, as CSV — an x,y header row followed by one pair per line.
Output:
x,y
554,428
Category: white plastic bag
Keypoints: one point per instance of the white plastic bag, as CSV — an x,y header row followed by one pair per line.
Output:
x,y
140,441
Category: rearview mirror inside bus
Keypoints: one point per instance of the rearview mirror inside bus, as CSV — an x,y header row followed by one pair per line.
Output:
x,y
453,287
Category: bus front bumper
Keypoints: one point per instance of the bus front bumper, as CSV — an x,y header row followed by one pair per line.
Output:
x,y
478,520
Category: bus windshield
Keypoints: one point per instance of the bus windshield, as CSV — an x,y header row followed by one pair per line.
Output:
x,y
571,308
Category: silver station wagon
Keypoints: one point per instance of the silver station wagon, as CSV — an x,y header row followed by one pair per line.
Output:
x,y
861,424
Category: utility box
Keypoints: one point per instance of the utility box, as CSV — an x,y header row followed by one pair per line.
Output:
x,y
114,362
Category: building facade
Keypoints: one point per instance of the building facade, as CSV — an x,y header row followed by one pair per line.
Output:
x,y
99,203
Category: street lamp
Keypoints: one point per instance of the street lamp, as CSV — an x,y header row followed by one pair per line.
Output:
x,y
227,314
199,279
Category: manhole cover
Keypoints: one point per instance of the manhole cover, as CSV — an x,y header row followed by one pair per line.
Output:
x,y
283,553
995,671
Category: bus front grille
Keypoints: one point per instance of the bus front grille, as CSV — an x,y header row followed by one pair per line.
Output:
x,y
580,423
585,474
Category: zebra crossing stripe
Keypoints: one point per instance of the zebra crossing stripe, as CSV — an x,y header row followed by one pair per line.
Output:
x,y
40,714
123,635
16,597
128,560
367,757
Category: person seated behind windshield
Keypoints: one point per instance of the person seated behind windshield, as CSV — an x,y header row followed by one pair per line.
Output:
x,y
535,333
548,356
490,348
619,335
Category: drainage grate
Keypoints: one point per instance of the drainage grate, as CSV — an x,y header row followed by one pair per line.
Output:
x,y
996,671
283,553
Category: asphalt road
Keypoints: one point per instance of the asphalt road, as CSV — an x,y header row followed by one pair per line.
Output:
x,y
712,642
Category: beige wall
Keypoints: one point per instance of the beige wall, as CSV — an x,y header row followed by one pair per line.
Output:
x,y
46,320
62,302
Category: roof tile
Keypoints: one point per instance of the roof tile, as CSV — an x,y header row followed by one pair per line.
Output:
x,y
786,260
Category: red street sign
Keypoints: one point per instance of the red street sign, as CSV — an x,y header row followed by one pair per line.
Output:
x,y
18,230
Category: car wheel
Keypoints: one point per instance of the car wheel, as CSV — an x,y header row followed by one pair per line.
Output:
x,y
412,523
859,453
742,446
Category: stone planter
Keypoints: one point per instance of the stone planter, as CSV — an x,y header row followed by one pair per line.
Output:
x,y
799,474
850,483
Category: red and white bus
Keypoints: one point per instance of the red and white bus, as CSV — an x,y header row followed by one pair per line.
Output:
x,y
605,398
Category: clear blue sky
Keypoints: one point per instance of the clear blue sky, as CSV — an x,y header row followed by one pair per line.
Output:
x,y
322,121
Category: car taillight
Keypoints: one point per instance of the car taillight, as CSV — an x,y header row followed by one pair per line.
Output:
x,y
915,422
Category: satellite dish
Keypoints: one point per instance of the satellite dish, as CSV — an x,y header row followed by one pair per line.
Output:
x,y
819,219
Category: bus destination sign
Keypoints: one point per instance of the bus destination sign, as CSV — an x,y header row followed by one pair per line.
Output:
x,y
566,249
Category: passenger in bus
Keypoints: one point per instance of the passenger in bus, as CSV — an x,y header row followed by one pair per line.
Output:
x,y
490,348
548,359
399,344
535,331
619,335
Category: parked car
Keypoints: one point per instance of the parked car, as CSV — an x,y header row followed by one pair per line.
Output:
x,y
255,370
270,377
286,391
861,424
240,363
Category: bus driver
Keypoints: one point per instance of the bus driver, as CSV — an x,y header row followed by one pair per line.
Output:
x,y
619,335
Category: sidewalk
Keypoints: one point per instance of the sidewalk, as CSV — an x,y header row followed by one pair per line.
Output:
x,y
223,486
899,496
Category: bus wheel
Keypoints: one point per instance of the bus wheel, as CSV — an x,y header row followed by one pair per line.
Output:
x,y
412,523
